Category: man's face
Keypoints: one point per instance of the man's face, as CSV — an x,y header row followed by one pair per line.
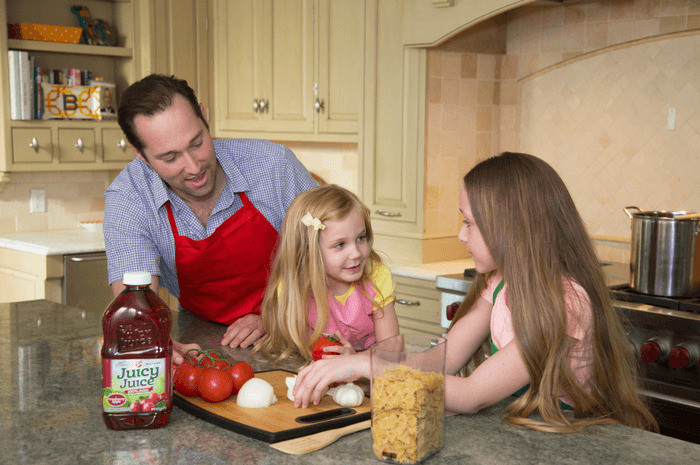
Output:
x,y
179,148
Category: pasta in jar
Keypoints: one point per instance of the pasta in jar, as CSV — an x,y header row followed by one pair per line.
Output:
x,y
408,408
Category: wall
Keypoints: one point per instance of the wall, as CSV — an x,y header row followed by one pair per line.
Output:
x,y
71,197
557,37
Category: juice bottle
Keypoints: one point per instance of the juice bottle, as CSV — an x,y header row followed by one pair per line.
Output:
x,y
136,357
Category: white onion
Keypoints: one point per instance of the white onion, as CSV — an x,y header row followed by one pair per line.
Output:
x,y
290,381
256,393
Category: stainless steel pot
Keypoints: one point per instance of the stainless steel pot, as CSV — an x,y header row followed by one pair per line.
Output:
x,y
665,258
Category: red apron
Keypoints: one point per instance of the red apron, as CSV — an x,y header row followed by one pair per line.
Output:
x,y
223,276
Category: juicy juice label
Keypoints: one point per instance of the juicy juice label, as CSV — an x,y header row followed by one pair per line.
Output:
x,y
133,385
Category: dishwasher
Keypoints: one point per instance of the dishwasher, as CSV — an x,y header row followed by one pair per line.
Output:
x,y
85,283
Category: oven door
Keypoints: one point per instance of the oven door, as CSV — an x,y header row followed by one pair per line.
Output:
x,y
449,302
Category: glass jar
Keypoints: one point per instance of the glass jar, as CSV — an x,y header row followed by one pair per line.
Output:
x,y
408,397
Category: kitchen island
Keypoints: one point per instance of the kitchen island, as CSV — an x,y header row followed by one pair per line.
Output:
x,y
50,412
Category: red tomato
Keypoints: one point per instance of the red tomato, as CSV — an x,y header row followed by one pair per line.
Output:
x,y
215,385
240,373
186,377
326,340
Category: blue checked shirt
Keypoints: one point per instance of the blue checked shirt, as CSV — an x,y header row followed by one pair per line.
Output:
x,y
137,233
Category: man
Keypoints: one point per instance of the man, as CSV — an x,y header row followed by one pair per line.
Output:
x,y
201,216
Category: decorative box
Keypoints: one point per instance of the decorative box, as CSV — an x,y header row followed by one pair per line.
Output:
x,y
45,32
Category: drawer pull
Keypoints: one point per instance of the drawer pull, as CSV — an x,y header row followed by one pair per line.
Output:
x,y
79,145
34,144
388,214
413,303
122,145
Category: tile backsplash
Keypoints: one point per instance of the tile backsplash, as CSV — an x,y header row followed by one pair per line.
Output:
x,y
587,86
71,197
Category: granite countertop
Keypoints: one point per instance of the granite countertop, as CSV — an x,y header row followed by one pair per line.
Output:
x,y
51,413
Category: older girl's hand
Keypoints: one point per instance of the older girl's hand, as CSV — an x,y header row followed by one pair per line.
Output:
x,y
313,381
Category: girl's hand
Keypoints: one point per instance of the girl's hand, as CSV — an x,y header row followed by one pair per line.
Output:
x,y
313,381
345,349
179,349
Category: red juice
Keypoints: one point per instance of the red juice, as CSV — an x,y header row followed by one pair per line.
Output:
x,y
137,387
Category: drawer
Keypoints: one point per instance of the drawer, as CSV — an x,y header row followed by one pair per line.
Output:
x,y
30,145
114,146
417,300
76,145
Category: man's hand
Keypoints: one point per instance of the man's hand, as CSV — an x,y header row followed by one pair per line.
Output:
x,y
244,332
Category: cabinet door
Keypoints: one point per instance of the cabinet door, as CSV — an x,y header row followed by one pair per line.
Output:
x,y
115,147
32,145
394,112
76,145
263,65
180,44
341,48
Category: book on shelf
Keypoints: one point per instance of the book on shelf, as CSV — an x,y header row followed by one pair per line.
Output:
x,y
25,78
15,85
22,85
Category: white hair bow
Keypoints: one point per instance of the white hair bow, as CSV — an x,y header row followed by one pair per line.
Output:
x,y
309,220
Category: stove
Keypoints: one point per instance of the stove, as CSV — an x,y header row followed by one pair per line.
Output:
x,y
664,333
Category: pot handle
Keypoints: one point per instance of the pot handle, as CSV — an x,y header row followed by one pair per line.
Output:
x,y
626,209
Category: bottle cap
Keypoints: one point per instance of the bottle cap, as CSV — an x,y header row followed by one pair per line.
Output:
x,y
137,278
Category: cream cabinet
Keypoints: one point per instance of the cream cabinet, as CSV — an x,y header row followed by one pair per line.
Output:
x,y
288,69
180,43
417,306
61,145
393,138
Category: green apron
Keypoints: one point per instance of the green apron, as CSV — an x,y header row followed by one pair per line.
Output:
x,y
494,349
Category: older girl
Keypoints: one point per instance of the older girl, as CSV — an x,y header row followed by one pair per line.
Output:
x,y
540,295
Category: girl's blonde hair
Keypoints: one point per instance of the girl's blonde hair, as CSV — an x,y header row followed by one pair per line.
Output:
x,y
298,273
537,238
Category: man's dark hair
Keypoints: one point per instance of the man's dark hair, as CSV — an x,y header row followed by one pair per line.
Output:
x,y
150,96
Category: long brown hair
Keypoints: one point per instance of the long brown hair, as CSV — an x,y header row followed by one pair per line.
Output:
x,y
537,238
298,273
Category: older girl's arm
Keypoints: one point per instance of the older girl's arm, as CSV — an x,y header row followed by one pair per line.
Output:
x,y
501,375
467,335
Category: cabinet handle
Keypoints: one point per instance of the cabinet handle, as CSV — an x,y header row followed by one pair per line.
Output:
x,y
319,105
256,105
389,214
34,144
412,303
79,145
122,145
263,105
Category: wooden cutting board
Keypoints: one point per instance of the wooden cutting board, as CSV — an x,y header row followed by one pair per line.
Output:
x,y
280,421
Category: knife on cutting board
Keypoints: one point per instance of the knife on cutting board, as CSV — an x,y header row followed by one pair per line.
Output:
x,y
313,442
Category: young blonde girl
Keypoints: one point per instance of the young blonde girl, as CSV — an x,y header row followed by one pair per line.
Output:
x,y
541,299
326,279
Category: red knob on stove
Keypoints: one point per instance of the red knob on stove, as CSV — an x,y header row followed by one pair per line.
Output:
x,y
684,355
451,310
650,351
679,357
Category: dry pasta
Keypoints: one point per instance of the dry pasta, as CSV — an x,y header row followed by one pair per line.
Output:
x,y
408,408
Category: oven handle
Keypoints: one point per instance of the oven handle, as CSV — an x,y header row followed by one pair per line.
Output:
x,y
670,399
